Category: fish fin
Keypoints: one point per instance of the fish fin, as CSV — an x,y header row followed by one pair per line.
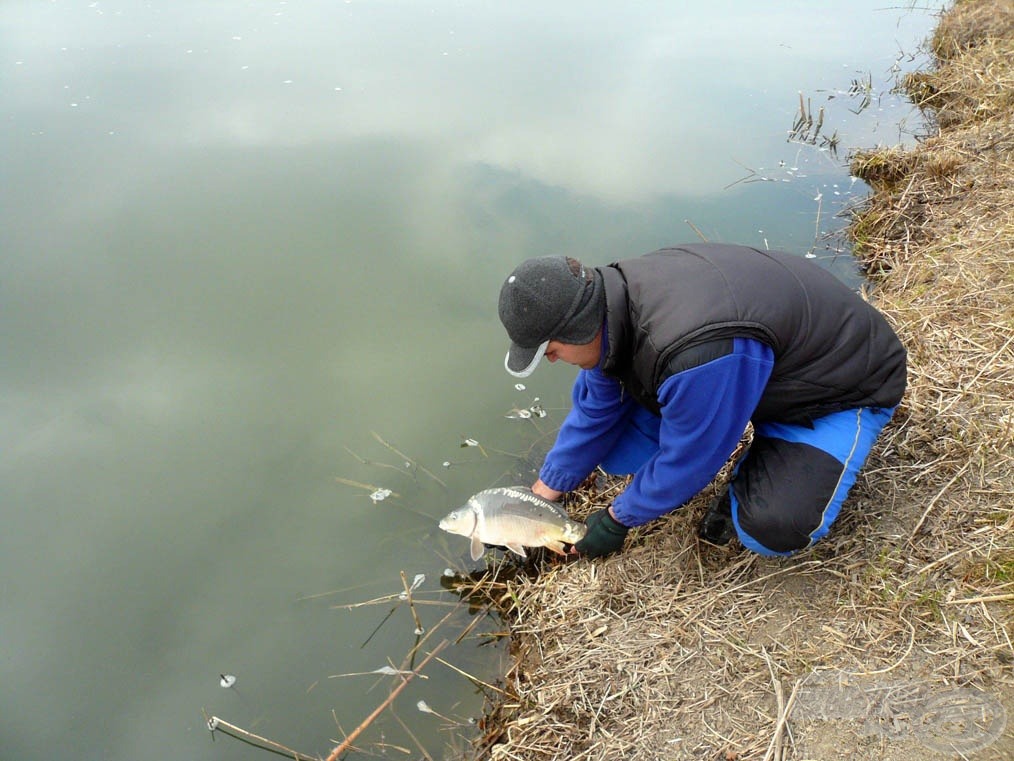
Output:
x,y
477,548
517,549
556,547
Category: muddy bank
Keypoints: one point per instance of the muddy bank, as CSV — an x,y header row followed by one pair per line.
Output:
x,y
892,638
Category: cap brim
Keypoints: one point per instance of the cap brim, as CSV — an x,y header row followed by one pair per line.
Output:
x,y
521,362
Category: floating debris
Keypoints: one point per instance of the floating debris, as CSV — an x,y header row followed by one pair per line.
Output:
x,y
227,680
423,706
519,386
535,410
385,670
807,130
390,671
417,582
862,88
380,495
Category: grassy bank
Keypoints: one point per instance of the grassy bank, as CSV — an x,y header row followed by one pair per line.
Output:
x,y
878,642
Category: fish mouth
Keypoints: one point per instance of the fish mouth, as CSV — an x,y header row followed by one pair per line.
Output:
x,y
452,523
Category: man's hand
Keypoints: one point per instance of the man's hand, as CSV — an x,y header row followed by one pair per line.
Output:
x,y
545,492
605,534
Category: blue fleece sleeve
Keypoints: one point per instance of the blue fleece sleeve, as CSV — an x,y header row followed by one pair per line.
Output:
x,y
704,412
596,419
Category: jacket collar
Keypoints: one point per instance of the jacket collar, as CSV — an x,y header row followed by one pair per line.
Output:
x,y
617,322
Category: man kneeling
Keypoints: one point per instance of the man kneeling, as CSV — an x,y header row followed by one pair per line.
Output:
x,y
681,348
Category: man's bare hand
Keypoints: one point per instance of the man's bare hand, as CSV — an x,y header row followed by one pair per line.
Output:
x,y
545,492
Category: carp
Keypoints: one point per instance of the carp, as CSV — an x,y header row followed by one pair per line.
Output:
x,y
513,517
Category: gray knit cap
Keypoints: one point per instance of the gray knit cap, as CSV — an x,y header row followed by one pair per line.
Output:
x,y
550,298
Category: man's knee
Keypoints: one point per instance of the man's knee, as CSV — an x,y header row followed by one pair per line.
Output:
x,y
770,530
785,496
792,483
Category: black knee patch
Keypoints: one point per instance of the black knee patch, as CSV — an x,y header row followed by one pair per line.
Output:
x,y
782,489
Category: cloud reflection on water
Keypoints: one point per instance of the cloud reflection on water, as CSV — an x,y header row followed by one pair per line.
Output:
x,y
619,101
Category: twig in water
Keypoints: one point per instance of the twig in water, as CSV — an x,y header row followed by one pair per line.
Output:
x,y
215,723
469,442
415,739
864,88
471,625
368,487
408,596
752,177
345,744
384,670
470,677
382,622
364,461
816,225
408,459
423,706
389,598
694,228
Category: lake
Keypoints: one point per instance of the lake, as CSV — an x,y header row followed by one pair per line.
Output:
x,y
249,261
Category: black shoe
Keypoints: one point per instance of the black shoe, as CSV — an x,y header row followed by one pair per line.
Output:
x,y
716,526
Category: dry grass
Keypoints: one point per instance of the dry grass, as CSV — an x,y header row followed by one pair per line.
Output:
x,y
674,649
969,24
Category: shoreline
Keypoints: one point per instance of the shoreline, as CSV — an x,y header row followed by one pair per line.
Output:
x,y
891,639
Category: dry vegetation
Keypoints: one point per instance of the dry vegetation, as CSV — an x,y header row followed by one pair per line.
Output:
x,y
675,649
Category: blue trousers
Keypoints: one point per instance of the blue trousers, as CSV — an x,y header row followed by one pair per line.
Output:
x,y
789,488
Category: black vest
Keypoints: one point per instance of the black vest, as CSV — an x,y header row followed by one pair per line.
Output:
x,y
833,351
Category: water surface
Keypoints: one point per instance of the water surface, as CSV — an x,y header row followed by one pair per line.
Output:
x,y
236,238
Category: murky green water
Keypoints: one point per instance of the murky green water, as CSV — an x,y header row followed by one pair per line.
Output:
x,y
237,238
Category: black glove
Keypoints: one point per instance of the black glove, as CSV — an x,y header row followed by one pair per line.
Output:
x,y
604,535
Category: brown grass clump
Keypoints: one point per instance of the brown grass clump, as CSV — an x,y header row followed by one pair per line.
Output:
x,y
678,650
974,43
970,24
